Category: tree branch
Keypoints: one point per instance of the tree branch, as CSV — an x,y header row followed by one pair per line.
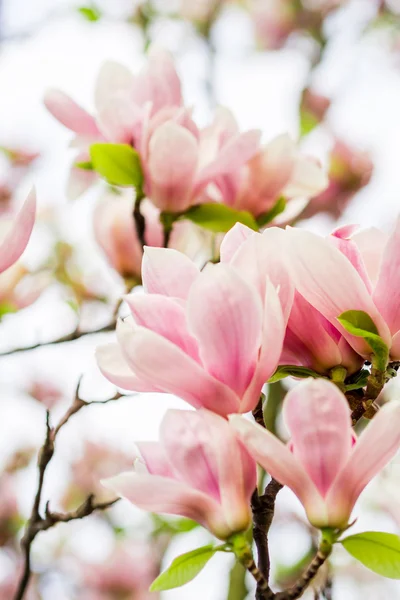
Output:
x,y
300,587
70,337
38,523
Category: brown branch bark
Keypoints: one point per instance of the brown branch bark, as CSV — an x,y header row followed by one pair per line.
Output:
x,y
36,522
300,587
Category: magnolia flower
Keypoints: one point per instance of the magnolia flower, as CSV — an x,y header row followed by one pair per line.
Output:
x,y
349,171
324,464
127,573
16,237
198,470
125,107
310,339
276,170
179,162
209,337
351,271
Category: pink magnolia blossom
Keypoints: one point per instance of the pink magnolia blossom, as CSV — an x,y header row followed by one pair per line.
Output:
x,y
127,573
310,339
210,337
350,170
276,170
125,106
198,470
15,236
351,271
324,464
179,162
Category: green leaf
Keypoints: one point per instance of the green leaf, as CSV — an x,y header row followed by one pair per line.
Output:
x,y
218,217
119,164
269,216
91,13
377,551
85,165
184,568
292,371
360,324
357,381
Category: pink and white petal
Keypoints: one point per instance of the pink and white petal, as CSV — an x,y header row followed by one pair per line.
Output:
x,y
309,326
307,179
262,257
70,114
273,333
377,445
235,153
188,445
166,85
79,181
277,460
371,243
163,495
318,418
155,359
328,281
168,272
164,316
395,348
387,290
118,120
233,240
236,471
17,238
114,367
172,165
225,315
112,79
153,454
350,250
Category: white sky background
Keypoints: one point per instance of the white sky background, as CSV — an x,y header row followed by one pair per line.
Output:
x,y
261,89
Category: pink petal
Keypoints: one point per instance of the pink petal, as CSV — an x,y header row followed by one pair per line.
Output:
x,y
237,474
114,367
168,272
273,332
310,327
325,278
189,446
163,495
165,316
318,418
79,180
172,165
70,114
237,151
112,79
371,243
262,257
157,360
377,445
387,291
307,179
157,463
224,314
16,240
118,119
277,460
233,240
350,250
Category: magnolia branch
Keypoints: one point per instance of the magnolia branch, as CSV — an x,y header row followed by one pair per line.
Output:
x,y
36,522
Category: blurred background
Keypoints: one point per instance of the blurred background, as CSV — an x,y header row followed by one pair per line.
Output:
x,y
327,72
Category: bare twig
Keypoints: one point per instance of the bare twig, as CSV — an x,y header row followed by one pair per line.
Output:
x,y
300,587
70,337
38,523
